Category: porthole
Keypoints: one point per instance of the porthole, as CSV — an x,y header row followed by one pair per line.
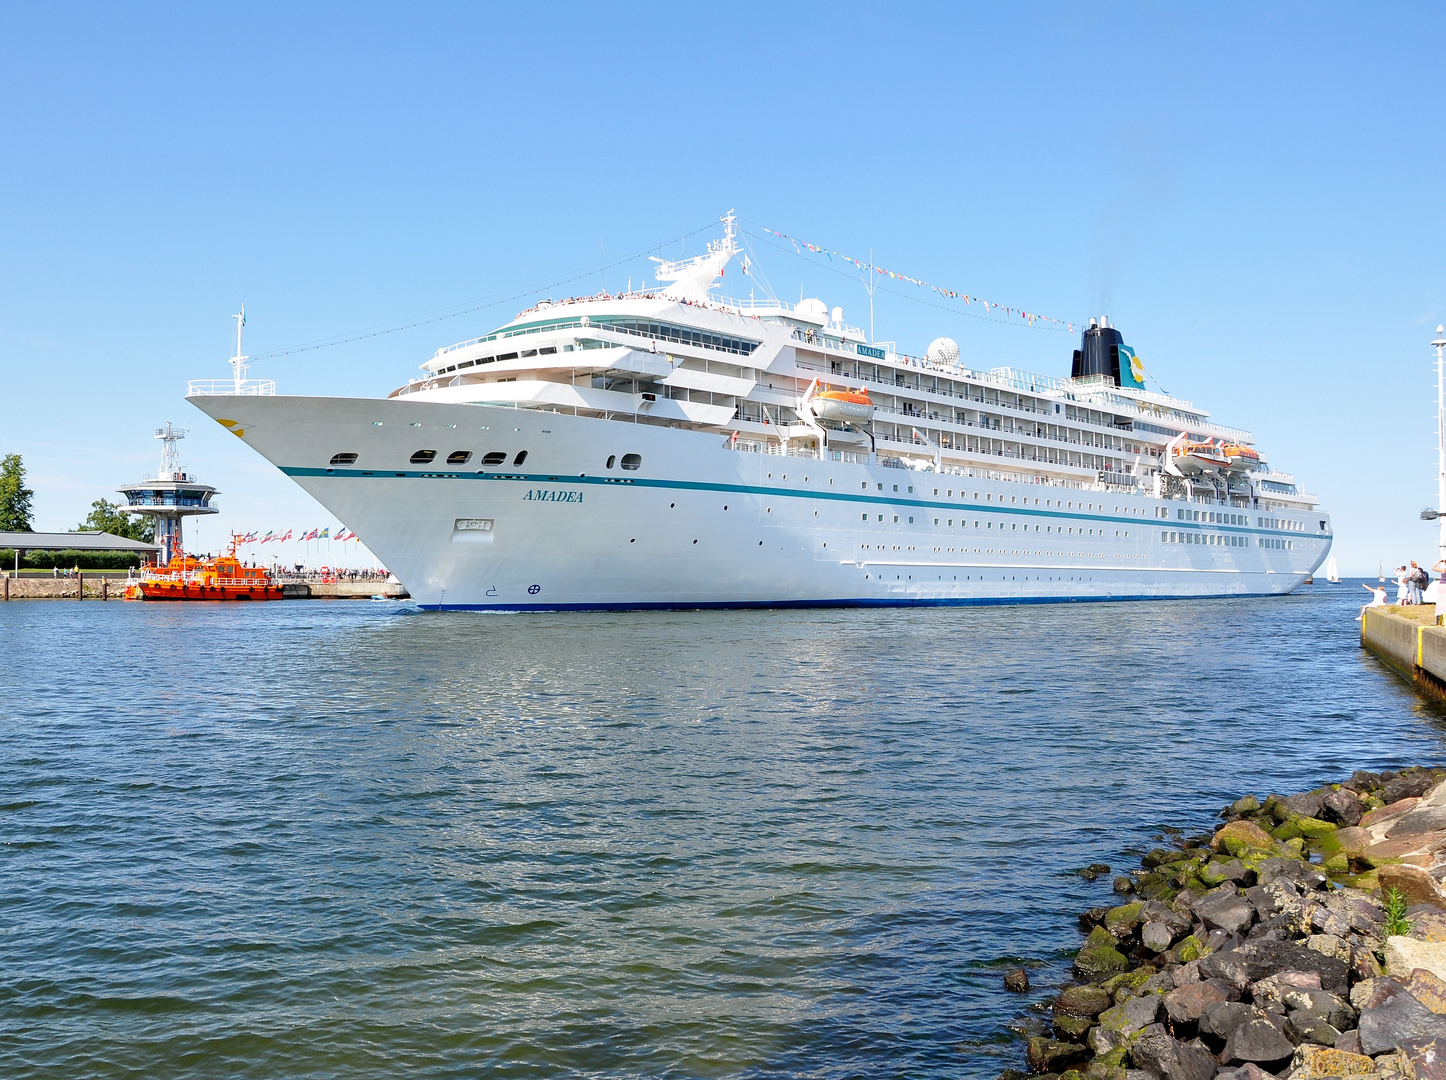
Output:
x,y
520,458
494,457
632,462
423,457
612,460
343,459
459,457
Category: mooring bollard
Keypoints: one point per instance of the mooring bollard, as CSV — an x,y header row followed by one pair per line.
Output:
x,y
7,586
105,588
79,585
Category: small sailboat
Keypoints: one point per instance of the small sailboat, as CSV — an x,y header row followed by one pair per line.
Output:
x,y
1332,574
1381,572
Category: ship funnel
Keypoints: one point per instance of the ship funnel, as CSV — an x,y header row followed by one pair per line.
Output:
x,y
1103,351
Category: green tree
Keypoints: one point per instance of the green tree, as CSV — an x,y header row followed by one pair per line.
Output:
x,y
15,497
107,517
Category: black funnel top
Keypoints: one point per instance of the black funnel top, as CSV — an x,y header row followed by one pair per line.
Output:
x,y
1099,354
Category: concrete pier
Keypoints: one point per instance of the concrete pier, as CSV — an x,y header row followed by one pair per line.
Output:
x,y
1408,640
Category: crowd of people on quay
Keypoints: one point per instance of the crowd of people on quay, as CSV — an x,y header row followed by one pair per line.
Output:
x,y
300,572
1411,581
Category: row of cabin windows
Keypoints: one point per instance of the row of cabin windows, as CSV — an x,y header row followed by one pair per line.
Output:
x,y
1208,539
1213,517
546,350
456,457
682,335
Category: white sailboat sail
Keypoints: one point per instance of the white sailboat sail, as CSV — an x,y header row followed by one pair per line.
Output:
x,y
1331,574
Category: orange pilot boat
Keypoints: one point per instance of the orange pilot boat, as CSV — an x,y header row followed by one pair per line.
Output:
x,y
187,577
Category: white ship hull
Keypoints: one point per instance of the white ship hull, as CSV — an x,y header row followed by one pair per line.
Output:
x,y
700,525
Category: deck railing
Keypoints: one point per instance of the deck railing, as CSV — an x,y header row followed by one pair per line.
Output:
x,y
231,388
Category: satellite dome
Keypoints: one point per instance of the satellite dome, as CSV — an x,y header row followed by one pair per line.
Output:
x,y
943,351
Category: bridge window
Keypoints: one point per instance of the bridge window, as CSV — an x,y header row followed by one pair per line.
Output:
x,y
612,460
494,457
520,458
423,457
459,457
343,459
632,462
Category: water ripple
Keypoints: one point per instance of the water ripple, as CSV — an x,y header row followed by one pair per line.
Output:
x,y
356,840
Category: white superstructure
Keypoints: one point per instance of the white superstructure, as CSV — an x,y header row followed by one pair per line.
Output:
x,y
679,449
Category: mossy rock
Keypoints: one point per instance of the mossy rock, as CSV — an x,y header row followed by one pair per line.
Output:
x,y
1083,1000
1121,921
1247,804
1155,887
1192,948
1072,1027
1216,871
1293,849
1239,837
1098,957
1108,1066
1276,808
1071,1074
1313,828
1288,830
1339,863
1129,980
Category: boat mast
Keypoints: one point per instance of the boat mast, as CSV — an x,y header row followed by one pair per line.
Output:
x,y
238,362
1440,344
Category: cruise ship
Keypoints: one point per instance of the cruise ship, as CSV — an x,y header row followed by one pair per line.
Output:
x,y
675,448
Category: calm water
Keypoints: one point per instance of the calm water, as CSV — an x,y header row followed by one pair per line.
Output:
x,y
354,840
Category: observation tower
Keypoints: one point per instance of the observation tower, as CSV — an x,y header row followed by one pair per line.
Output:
x,y
168,496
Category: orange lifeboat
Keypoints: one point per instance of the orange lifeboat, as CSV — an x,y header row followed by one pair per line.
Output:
x,y
842,405
1242,458
187,577
1200,457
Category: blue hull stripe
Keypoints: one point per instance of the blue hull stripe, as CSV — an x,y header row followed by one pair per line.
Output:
x,y
723,605
789,493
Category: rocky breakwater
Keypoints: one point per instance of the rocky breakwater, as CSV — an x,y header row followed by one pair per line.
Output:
x,y
1305,938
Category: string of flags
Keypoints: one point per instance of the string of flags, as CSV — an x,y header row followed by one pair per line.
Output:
x,y
273,537
1031,317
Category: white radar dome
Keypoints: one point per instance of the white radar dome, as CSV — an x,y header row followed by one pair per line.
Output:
x,y
943,351
813,309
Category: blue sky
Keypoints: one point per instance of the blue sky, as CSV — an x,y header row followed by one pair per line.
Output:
x,y
1252,194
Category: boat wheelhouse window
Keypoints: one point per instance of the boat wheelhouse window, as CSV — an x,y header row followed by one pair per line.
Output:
x,y
422,457
343,459
548,350
494,457
520,458
632,462
465,363
507,356
459,457
612,460
529,352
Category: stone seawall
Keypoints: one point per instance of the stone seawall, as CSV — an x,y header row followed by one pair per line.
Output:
x,y
1407,639
1304,939
96,588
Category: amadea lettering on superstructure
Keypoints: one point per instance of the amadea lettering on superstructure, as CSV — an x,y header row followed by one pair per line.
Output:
x,y
544,495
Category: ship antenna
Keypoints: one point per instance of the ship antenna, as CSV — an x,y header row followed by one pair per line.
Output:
x,y
238,362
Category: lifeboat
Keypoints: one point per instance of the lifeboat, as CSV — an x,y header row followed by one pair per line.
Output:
x,y
1242,458
187,577
1201,457
842,405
